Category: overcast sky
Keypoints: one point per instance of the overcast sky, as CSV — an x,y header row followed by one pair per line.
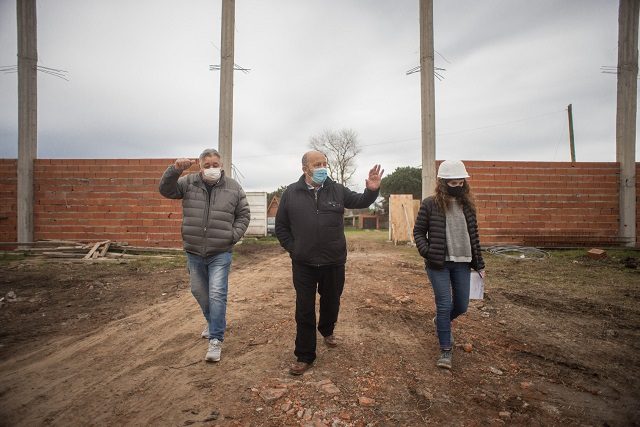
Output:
x,y
140,86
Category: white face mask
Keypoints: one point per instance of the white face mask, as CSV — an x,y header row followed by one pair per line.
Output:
x,y
211,175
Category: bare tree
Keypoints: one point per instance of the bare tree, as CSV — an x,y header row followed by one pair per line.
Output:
x,y
341,149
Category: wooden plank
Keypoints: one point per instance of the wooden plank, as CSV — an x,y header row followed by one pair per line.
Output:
x,y
105,248
123,255
401,217
45,243
62,255
91,252
94,249
78,249
140,250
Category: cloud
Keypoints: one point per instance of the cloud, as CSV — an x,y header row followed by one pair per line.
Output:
x,y
140,84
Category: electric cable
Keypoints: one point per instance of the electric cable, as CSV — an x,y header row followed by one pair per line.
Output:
x,y
518,252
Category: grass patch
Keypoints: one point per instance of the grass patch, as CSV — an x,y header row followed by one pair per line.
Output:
x,y
372,235
9,256
265,240
153,262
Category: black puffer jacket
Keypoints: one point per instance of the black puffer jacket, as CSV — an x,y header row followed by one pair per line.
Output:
x,y
430,235
310,225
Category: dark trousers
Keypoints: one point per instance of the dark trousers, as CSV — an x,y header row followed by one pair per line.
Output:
x,y
329,282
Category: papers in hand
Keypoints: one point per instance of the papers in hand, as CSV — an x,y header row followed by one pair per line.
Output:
x,y
476,290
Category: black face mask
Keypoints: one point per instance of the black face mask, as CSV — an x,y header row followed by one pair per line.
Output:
x,y
455,191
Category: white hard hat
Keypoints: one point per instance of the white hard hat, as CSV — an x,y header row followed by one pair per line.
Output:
x,y
452,169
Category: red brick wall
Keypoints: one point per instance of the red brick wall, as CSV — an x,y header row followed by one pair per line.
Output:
x,y
8,202
105,200
90,200
546,203
525,203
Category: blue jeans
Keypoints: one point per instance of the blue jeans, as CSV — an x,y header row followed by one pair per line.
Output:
x,y
451,291
209,283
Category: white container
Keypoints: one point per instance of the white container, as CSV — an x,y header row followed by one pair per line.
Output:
x,y
258,205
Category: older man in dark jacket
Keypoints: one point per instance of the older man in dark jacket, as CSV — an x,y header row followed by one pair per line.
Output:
x,y
215,216
310,226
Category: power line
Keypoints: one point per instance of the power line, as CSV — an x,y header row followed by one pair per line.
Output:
x,y
235,66
442,56
500,124
609,69
398,141
61,74
417,69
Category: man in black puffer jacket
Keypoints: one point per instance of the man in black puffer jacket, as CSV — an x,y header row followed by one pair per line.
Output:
x,y
310,226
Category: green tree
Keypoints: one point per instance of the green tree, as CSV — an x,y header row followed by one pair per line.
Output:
x,y
403,180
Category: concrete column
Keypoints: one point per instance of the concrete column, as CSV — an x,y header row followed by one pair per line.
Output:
x,y
225,128
427,97
626,116
27,115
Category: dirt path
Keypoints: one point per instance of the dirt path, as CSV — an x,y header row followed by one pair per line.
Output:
x,y
148,369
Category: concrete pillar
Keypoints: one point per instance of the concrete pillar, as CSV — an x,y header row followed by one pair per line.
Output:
x,y
27,115
427,97
225,128
626,116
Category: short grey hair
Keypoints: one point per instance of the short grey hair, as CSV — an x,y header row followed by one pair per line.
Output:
x,y
208,153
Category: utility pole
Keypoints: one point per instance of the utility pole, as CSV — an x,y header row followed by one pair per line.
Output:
x,y
572,144
225,127
427,98
626,116
27,115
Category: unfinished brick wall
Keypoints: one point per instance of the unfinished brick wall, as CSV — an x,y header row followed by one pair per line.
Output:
x,y
546,203
105,200
8,201
525,203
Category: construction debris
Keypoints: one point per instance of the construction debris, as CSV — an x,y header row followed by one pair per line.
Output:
x,y
102,250
93,253
630,262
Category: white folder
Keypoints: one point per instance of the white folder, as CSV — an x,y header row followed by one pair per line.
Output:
x,y
476,290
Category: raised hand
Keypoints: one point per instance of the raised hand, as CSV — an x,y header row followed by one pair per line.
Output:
x,y
183,164
375,176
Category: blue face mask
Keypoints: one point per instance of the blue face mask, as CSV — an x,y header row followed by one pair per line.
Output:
x,y
319,175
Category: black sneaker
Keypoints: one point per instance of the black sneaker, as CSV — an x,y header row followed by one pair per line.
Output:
x,y
445,359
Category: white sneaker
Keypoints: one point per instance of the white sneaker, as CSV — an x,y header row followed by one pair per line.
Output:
x,y
205,333
215,348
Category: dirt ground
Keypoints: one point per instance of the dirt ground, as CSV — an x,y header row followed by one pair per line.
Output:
x,y
556,341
